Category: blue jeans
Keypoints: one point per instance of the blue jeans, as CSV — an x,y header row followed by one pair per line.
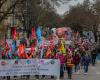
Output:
x,y
77,67
61,71
69,71
85,68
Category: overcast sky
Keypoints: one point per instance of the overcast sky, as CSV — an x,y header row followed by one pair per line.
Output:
x,y
63,8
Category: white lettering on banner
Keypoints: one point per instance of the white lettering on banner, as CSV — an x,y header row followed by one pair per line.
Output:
x,y
29,67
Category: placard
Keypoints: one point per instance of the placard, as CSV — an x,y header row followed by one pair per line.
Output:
x,y
29,67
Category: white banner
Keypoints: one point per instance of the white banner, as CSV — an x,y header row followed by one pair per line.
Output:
x,y
49,67
29,67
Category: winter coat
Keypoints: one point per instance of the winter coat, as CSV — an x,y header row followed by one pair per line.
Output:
x,y
76,59
86,60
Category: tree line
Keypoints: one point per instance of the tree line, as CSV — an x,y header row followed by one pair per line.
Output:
x,y
85,16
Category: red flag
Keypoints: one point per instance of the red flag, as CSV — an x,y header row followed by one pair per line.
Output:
x,y
21,51
48,53
33,33
7,46
14,33
32,49
51,44
2,41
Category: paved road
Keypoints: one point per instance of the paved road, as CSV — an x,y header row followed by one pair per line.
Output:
x,y
94,74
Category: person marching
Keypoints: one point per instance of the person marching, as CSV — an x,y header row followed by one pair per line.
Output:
x,y
76,60
61,57
86,62
69,65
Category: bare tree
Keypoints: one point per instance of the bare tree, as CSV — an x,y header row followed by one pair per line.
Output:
x,y
82,16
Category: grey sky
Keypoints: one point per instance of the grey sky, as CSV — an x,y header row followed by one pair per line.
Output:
x,y
63,8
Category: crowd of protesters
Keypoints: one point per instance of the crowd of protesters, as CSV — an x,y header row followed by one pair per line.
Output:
x,y
79,54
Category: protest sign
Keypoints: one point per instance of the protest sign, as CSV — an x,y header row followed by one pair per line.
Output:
x,y
30,67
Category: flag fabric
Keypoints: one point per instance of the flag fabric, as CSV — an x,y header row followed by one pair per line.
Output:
x,y
14,33
38,34
7,46
63,47
13,46
48,53
3,41
32,49
21,51
33,35
10,52
51,43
